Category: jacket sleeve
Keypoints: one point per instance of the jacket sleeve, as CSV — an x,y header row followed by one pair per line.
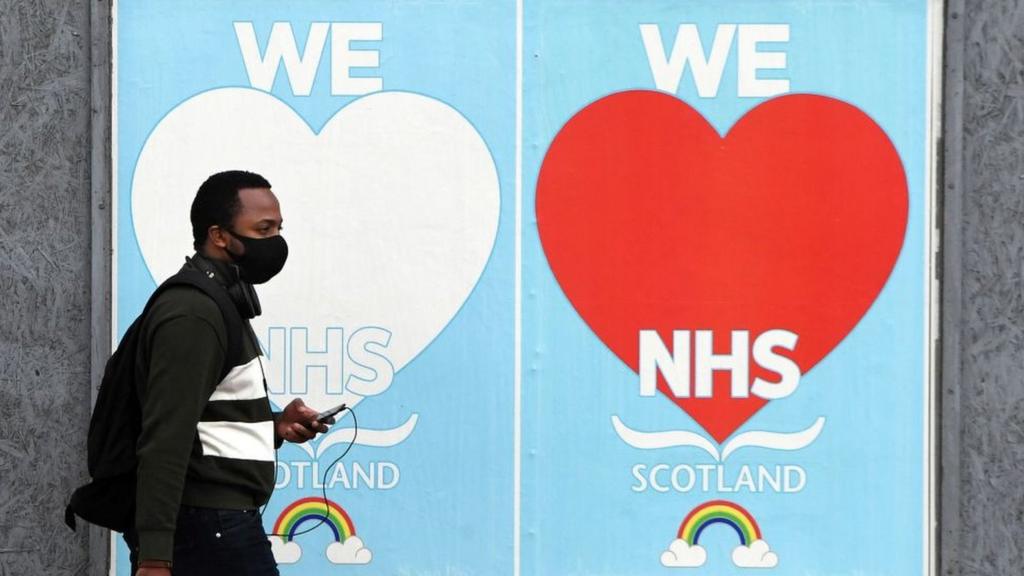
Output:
x,y
185,357
278,441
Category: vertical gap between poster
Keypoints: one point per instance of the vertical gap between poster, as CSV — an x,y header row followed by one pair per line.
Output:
x,y
518,354
927,194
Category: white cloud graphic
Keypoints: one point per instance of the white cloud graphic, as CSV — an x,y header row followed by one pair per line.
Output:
x,y
285,552
757,555
681,555
351,551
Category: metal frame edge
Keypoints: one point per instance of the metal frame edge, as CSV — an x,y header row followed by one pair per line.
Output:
x,y
100,225
951,180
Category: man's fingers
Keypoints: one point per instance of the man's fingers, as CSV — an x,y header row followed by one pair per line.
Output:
x,y
301,432
301,422
318,426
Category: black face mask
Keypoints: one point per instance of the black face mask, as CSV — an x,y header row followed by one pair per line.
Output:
x,y
263,257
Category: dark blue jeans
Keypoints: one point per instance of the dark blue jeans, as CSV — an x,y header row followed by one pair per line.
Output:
x,y
216,543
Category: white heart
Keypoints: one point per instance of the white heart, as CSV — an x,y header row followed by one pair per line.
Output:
x,y
390,212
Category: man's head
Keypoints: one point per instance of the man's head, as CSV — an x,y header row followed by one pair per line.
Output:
x,y
236,218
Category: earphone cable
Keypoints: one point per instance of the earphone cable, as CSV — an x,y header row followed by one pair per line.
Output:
x,y
323,483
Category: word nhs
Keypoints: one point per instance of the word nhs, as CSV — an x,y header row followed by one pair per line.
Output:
x,y
693,352
706,67
330,361
302,68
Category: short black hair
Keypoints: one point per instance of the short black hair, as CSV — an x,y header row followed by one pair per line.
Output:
x,y
216,203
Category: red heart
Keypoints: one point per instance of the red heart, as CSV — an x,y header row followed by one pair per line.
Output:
x,y
651,220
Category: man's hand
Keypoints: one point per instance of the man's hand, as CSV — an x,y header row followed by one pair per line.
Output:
x,y
298,422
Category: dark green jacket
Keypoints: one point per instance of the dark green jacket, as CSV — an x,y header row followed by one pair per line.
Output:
x,y
205,441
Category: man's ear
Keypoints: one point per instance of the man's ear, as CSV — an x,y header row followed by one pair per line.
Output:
x,y
218,237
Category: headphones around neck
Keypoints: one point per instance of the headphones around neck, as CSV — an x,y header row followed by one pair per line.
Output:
x,y
241,293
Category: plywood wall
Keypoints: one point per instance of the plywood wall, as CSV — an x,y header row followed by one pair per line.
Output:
x,y
983,428
44,281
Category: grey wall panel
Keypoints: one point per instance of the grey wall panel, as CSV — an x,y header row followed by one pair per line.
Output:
x,y
991,328
44,280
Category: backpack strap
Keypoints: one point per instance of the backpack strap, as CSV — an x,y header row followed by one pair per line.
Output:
x,y
233,324
108,500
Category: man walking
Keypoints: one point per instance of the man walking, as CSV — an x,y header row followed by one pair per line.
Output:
x,y
206,449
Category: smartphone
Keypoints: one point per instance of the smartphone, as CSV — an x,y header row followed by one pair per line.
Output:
x,y
331,412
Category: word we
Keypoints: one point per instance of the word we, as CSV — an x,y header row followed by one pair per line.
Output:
x,y
676,367
707,69
301,70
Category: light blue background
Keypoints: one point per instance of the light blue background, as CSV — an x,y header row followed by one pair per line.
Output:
x,y
451,513
861,512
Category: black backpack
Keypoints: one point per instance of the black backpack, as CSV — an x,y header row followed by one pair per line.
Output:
x,y
109,500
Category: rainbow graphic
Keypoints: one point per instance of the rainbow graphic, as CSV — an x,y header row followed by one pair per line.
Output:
x,y
312,510
719,512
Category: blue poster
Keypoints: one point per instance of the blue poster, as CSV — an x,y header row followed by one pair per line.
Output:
x,y
612,287
725,338
387,132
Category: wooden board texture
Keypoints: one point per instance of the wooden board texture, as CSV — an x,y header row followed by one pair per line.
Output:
x,y
44,281
990,424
